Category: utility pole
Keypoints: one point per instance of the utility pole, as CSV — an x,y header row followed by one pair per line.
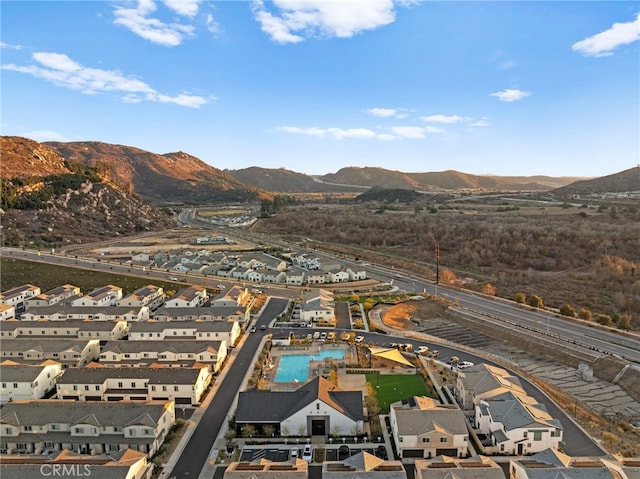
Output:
x,y
437,267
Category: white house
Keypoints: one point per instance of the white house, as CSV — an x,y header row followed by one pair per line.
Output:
x,y
295,277
482,381
229,331
316,408
21,381
103,296
68,328
188,297
17,297
356,275
318,306
424,428
337,276
69,352
151,296
515,424
95,313
54,296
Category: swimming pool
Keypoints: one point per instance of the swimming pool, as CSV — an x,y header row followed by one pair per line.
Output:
x,y
295,367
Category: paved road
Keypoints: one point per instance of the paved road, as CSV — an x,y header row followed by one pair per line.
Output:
x,y
197,450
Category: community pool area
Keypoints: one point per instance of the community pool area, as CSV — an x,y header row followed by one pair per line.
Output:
x,y
295,367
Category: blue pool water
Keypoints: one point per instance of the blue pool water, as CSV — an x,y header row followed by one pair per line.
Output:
x,y
295,367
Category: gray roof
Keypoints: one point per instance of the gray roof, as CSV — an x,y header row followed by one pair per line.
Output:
x,y
510,410
44,344
200,326
199,311
40,412
179,346
275,406
80,324
363,465
152,375
416,421
20,373
483,378
85,310
445,467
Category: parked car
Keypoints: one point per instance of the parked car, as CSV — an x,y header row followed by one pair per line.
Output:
x,y
359,339
252,330
422,350
343,452
263,327
307,453
465,365
294,452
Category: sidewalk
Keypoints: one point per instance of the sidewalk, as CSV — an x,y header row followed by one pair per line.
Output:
x,y
193,422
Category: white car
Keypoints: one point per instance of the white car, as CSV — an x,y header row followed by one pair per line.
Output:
x,y
359,339
422,350
294,452
307,453
465,365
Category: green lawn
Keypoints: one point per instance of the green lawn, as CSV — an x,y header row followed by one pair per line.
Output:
x,y
390,388
17,272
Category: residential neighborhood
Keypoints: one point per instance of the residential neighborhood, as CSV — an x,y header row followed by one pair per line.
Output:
x,y
115,367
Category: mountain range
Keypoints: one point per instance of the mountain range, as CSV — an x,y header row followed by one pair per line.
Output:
x,y
180,178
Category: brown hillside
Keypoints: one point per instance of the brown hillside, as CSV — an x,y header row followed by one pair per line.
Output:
x,y
20,157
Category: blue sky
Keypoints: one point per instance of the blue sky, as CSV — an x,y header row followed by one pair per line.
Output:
x,y
509,88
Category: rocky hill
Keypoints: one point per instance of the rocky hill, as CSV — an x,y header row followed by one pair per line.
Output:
x,y
287,181
626,181
168,178
445,180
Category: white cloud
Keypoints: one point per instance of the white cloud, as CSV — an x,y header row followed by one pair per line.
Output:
x,y
433,129
337,133
212,25
45,135
295,20
603,43
480,123
188,8
61,70
388,112
509,95
410,132
443,118
382,112
387,137
13,47
137,20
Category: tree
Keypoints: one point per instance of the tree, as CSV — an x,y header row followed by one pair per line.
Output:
x,y
567,310
535,301
604,319
447,277
521,298
585,314
488,289
268,430
248,431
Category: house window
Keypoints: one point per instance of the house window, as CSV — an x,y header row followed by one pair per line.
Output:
x,y
120,385
86,387
525,434
97,388
443,439
317,406
15,385
175,388
537,435
75,387
164,388
425,439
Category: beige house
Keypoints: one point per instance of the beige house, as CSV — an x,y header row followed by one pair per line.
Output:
x,y
95,313
35,426
68,352
424,428
265,469
363,465
123,464
203,313
182,385
481,381
445,467
7,312
17,297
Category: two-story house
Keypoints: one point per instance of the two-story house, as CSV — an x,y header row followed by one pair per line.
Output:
x,y
168,353
424,428
151,296
103,296
68,352
54,296
188,297
22,381
34,426
228,331
182,385
17,297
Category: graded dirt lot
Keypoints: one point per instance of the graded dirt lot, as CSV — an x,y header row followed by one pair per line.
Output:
x,y
178,239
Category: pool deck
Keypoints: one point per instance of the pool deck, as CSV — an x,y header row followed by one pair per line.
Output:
x,y
315,367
